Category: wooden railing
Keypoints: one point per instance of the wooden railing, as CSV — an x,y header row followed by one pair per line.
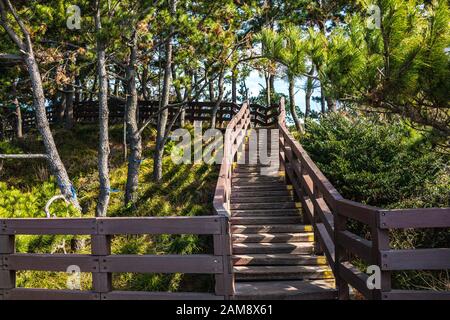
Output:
x,y
234,139
101,263
87,112
328,212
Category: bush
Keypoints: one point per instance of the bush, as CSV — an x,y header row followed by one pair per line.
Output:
x,y
386,165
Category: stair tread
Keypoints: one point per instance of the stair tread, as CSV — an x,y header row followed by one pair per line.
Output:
x,y
273,237
278,259
265,220
237,228
280,269
273,246
310,289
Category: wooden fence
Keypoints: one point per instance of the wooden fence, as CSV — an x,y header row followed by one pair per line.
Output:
x,y
101,263
87,112
328,212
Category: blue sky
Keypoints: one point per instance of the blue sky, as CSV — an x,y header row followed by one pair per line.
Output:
x,y
255,80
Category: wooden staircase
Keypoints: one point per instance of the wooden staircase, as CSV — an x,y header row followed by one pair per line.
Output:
x,y
273,250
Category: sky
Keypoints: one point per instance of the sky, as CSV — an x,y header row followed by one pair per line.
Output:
x,y
255,80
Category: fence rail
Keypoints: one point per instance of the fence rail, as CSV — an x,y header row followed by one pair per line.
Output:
x,y
87,112
101,263
329,212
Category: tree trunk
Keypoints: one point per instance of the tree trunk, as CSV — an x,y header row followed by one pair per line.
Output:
x,y
60,107
103,148
234,87
56,165
18,111
219,99
268,91
211,90
134,136
322,100
308,93
292,104
331,104
164,112
68,110
25,45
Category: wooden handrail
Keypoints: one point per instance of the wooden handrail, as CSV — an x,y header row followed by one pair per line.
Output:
x,y
328,212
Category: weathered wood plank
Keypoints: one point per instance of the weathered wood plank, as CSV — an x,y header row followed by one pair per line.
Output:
x,y
51,262
47,294
141,295
196,263
358,211
357,245
160,225
355,278
416,259
414,218
38,226
416,295
327,244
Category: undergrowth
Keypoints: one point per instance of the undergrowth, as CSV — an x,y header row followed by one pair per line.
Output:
x,y
185,190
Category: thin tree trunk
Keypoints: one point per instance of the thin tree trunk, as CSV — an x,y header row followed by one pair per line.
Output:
x,y
56,165
308,93
331,104
68,110
18,111
322,100
60,107
292,104
234,86
219,99
268,91
103,148
211,89
134,136
164,114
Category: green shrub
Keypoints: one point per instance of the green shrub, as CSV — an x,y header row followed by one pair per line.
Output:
x,y
389,165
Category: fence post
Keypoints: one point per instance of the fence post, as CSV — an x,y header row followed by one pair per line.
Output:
x,y
380,241
340,224
222,248
100,247
316,219
288,171
7,277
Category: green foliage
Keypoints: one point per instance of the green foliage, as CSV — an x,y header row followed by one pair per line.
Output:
x,y
387,165
383,164
185,190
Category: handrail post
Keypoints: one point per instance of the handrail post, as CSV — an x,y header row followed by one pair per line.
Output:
x,y
7,277
340,223
222,248
101,247
380,241
316,219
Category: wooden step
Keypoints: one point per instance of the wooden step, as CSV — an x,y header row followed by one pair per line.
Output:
x,y
277,259
257,180
263,205
293,248
262,193
290,290
270,228
274,174
282,272
264,199
273,237
274,186
266,220
265,212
